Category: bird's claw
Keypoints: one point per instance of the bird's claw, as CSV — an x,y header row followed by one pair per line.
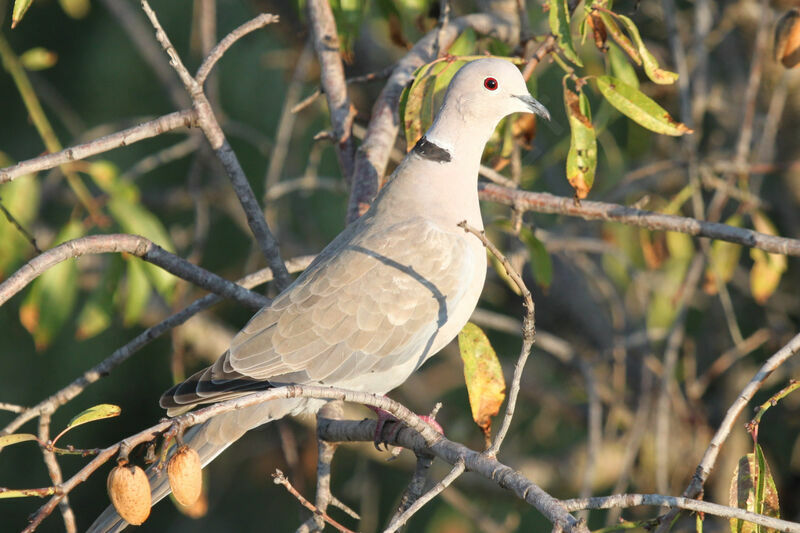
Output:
x,y
384,417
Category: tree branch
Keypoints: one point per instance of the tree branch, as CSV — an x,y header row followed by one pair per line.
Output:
x,y
134,245
121,354
334,85
633,500
153,128
547,203
216,137
216,53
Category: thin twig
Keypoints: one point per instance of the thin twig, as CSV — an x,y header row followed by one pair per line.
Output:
x,y
414,489
280,479
121,354
146,130
326,43
134,245
528,334
319,91
216,137
54,471
217,52
14,222
400,521
548,203
709,459
699,506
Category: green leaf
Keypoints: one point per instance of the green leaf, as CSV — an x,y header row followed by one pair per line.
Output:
x,y
753,489
134,218
137,291
540,260
76,9
24,493
722,259
20,7
620,67
97,312
21,198
464,44
97,412
650,63
767,270
420,101
620,38
38,58
51,299
14,438
582,155
483,375
559,25
639,107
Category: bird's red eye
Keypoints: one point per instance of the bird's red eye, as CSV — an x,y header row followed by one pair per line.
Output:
x,y
490,83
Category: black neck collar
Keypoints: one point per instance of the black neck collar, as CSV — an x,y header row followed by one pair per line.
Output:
x,y
431,151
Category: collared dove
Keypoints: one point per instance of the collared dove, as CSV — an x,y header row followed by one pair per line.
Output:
x,y
387,293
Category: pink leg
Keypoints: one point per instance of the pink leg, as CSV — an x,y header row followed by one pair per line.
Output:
x,y
384,417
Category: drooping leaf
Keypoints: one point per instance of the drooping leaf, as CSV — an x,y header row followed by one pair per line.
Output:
x,y
464,45
787,38
649,62
51,299
613,29
21,198
421,100
25,493
14,438
133,217
620,67
559,24
582,155
76,9
20,7
96,412
38,58
639,107
767,270
753,489
722,259
540,260
483,374
137,291
349,15
98,310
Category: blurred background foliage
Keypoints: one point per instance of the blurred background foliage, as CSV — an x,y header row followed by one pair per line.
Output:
x,y
607,295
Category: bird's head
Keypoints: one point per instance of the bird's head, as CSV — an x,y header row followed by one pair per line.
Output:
x,y
490,89
480,94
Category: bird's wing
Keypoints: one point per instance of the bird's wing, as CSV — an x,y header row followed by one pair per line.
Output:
x,y
372,302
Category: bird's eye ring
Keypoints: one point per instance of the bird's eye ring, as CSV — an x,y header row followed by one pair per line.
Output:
x,y
490,83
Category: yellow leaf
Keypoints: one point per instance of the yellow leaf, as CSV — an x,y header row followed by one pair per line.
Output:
x,y
483,374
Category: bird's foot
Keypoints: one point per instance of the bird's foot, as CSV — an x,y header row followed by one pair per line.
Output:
x,y
384,417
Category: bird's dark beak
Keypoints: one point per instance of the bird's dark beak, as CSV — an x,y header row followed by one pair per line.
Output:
x,y
534,105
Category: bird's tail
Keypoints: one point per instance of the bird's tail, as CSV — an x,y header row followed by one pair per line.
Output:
x,y
209,440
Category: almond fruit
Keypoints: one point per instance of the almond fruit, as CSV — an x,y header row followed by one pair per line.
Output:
x,y
185,475
129,491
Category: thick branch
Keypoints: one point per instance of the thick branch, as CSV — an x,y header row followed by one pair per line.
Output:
x,y
153,128
326,43
134,245
633,500
547,203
